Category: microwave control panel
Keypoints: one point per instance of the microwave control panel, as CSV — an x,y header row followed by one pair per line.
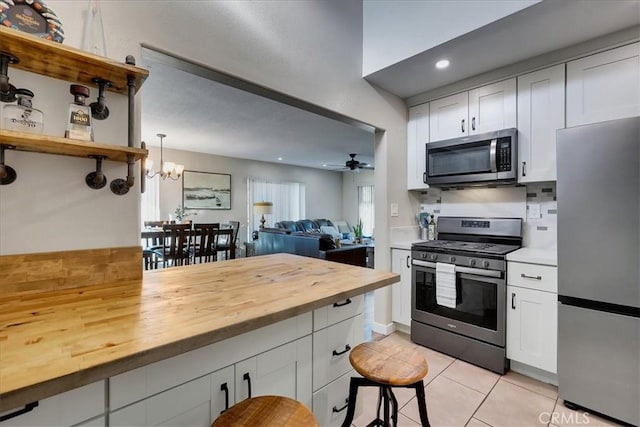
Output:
x,y
504,155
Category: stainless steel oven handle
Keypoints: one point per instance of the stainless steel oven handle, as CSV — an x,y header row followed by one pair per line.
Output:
x,y
493,154
423,263
459,269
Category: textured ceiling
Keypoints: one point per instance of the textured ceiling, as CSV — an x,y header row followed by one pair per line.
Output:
x,y
204,116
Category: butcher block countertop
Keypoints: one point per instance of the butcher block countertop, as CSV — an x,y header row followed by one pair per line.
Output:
x,y
55,341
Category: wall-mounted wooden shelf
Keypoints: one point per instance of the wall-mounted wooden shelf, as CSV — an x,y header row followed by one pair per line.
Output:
x,y
66,63
68,147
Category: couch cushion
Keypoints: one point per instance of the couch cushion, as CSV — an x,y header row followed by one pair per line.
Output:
x,y
307,225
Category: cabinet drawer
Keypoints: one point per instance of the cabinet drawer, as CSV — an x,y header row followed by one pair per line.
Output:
x,y
64,409
533,276
329,401
337,312
331,348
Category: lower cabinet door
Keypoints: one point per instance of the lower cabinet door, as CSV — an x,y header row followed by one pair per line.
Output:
x,y
331,347
282,371
532,327
330,402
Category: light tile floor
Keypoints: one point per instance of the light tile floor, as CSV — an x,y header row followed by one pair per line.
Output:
x,y
461,394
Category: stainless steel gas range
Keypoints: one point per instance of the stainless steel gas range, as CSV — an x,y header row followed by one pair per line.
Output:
x,y
459,290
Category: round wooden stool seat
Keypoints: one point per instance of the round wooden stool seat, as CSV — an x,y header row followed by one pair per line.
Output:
x,y
389,362
264,411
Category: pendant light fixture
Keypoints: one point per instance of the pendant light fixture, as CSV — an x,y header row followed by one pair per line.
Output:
x,y
167,169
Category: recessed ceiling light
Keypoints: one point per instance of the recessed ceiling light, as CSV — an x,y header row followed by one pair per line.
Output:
x,y
442,64
324,165
280,158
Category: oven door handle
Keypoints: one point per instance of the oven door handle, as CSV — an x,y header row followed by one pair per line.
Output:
x,y
423,263
460,269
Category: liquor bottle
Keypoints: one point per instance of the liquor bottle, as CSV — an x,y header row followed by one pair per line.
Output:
x,y
431,229
79,118
22,116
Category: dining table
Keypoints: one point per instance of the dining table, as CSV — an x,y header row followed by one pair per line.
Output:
x,y
225,234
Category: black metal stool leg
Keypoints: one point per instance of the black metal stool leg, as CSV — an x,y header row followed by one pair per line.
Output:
x,y
351,409
394,405
386,406
422,405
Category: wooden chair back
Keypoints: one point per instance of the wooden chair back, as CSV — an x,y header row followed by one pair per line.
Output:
x,y
177,244
206,247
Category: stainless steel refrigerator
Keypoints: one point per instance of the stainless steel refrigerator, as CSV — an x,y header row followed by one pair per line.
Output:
x,y
598,192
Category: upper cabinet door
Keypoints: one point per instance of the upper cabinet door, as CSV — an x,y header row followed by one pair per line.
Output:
x,y
604,87
492,107
417,138
540,114
448,117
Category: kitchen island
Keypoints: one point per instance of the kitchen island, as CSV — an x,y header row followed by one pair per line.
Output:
x,y
56,341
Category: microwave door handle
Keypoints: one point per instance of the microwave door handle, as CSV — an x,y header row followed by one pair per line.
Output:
x,y
493,154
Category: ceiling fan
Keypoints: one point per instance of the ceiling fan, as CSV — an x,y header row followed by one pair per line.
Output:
x,y
353,164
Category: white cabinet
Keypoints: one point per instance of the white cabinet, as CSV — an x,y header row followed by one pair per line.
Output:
x,y
449,117
64,409
282,371
337,328
484,109
417,138
532,315
401,292
540,114
605,86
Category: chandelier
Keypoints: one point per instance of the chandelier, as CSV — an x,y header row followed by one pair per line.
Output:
x,y
167,169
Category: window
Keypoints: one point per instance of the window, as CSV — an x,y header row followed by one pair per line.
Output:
x,y
288,200
366,208
150,201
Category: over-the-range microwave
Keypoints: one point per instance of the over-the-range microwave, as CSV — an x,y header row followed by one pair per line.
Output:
x,y
484,159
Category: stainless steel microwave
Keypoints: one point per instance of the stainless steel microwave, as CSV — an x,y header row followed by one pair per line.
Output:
x,y
485,159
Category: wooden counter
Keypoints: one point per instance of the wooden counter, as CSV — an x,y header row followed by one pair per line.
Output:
x,y
56,341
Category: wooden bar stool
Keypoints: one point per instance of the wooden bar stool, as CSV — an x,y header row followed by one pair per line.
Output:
x,y
267,411
386,364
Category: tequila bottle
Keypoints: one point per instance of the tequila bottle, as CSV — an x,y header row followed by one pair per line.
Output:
x,y
22,117
79,118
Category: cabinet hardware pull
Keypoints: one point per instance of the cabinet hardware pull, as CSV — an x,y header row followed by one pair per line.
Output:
x,y
248,378
225,388
347,302
513,300
336,410
462,125
408,258
424,177
524,170
27,408
338,353
530,277
473,123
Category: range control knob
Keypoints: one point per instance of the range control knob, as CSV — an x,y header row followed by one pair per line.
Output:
x,y
452,259
485,264
434,257
472,262
423,256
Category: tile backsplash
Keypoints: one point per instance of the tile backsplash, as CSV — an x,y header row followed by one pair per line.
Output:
x,y
535,203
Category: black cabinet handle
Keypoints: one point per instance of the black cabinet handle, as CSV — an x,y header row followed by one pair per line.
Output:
x,y
27,408
424,177
338,353
225,388
336,410
248,378
524,170
347,302
473,123
462,125
408,258
530,277
513,300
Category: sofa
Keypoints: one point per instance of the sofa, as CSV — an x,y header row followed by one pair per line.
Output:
x,y
315,226
311,244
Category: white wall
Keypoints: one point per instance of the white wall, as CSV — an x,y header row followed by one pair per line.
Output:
x,y
395,30
323,188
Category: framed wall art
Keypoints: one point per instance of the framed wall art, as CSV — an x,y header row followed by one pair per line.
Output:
x,y
206,190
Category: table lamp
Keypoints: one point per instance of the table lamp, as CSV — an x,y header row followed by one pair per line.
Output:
x,y
262,208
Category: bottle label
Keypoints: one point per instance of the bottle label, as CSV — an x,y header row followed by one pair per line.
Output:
x,y
23,121
79,117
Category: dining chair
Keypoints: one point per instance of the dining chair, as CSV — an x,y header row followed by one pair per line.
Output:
x,y
176,248
228,247
154,224
205,248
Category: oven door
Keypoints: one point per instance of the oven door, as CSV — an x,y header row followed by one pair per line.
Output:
x,y
480,302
